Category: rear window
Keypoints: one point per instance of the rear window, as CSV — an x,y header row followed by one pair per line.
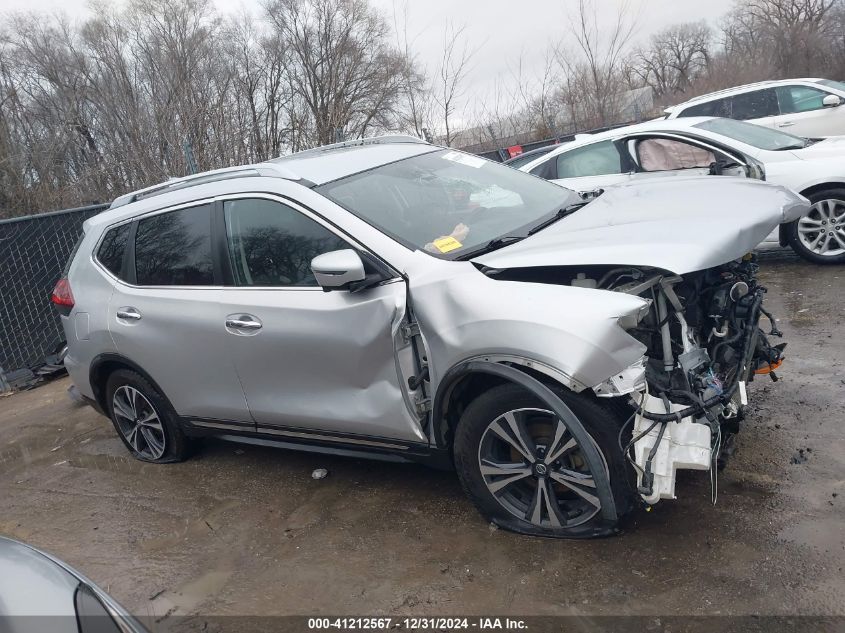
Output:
x,y
174,249
113,248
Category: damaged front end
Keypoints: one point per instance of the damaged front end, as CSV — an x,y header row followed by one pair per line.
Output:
x,y
704,345
682,247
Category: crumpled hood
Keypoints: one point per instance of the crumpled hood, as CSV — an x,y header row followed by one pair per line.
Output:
x,y
677,224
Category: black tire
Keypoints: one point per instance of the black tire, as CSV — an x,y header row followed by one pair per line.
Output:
x,y
176,446
471,443
834,193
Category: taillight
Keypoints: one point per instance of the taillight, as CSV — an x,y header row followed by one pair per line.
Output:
x,y
62,296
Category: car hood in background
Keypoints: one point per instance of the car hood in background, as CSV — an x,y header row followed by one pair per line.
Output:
x,y
830,147
677,224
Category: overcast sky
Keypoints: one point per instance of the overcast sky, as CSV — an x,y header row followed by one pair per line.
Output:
x,y
499,30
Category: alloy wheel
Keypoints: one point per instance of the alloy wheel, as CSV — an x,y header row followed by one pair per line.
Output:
x,y
532,465
822,230
139,422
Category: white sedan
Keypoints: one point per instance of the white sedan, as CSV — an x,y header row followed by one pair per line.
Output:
x,y
716,146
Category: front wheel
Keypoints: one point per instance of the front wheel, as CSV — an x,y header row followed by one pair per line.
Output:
x,y
819,236
524,470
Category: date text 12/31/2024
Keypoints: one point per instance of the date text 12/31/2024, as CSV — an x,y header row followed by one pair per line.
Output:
x,y
416,624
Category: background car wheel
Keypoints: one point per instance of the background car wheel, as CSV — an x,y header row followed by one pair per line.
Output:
x,y
524,470
819,236
144,419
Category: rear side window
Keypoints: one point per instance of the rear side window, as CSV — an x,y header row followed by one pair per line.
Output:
x,y
598,159
271,244
174,249
754,105
113,248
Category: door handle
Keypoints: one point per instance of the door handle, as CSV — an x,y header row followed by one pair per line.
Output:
x,y
786,124
128,313
243,324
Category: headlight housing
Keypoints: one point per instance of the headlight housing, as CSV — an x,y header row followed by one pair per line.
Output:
x,y
632,319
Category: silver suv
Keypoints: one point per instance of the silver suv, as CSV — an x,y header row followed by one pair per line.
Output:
x,y
392,298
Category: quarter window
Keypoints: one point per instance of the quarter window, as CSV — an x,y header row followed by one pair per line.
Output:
x,y
717,107
112,249
174,249
794,99
598,159
271,244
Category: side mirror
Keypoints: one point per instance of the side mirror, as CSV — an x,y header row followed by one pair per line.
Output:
x,y
831,101
337,269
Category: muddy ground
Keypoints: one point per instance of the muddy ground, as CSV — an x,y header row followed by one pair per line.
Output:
x,y
245,530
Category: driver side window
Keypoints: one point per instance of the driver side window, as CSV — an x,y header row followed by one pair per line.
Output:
x,y
271,244
795,99
667,154
598,159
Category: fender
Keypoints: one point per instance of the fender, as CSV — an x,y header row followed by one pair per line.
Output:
x,y
550,399
819,183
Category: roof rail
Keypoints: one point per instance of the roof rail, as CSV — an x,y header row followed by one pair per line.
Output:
x,y
375,140
716,93
227,173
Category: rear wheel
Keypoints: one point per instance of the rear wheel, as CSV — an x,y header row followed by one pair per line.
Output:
x,y
144,419
819,236
525,471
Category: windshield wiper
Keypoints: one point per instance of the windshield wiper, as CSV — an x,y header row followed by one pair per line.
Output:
x,y
511,239
492,245
561,213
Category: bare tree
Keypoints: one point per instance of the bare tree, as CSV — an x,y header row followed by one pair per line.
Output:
x,y
454,66
593,84
340,64
793,34
675,57
418,108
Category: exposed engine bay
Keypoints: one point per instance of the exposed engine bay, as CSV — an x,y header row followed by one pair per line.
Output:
x,y
704,345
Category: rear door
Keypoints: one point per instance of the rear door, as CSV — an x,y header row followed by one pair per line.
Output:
x,y
165,316
312,363
755,106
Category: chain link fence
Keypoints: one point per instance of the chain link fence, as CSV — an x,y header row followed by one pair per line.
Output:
x,y
33,252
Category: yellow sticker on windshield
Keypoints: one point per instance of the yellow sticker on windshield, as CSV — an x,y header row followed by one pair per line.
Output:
x,y
446,244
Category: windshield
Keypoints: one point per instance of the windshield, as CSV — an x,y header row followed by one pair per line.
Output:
x,y
839,85
448,203
754,135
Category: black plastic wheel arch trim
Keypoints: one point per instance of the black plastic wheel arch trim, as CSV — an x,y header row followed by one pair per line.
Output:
x,y
111,357
551,400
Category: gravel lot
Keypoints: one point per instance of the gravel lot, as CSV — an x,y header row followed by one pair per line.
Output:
x,y
245,530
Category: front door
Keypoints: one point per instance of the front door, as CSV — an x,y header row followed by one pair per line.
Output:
x,y
312,361
803,113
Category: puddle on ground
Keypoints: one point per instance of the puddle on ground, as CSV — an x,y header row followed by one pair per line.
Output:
x,y
185,599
